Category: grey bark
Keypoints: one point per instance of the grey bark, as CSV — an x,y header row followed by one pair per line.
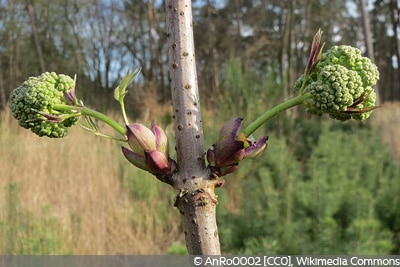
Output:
x,y
196,199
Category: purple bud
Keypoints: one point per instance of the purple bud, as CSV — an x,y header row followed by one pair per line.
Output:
x,y
149,149
228,150
232,147
316,50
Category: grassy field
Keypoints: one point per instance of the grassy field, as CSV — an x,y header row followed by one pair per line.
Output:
x,y
92,200
80,196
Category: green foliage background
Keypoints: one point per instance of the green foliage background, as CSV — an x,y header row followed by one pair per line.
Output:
x,y
321,187
338,201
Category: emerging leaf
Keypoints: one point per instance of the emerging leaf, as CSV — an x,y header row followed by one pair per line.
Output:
x,y
120,91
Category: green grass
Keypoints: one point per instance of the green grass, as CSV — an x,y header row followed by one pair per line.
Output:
x,y
79,195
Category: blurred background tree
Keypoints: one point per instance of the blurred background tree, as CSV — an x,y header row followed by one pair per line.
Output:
x,y
101,40
321,187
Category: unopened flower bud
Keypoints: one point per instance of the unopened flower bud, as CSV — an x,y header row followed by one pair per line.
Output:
x,y
149,149
232,147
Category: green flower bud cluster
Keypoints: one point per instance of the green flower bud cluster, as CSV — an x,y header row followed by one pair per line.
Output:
x,y
340,84
32,104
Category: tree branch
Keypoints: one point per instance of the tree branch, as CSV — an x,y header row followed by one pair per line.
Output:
x,y
196,200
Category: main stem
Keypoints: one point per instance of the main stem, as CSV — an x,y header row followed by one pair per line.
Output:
x,y
196,199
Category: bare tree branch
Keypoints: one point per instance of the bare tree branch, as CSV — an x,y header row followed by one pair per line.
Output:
x,y
196,200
